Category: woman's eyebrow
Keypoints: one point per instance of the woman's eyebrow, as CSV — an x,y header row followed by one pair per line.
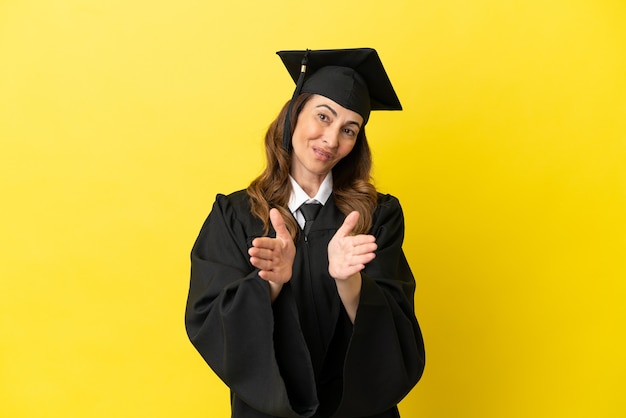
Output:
x,y
352,122
329,108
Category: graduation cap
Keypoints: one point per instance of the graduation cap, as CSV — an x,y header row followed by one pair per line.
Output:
x,y
354,78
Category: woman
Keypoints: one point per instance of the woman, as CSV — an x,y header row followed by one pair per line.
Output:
x,y
305,316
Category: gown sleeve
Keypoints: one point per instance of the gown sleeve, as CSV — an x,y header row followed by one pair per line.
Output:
x,y
229,308
385,356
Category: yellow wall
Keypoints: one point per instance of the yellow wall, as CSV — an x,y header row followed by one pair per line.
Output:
x,y
120,120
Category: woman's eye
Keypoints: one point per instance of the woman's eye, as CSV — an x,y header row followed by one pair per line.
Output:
x,y
349,132
322,117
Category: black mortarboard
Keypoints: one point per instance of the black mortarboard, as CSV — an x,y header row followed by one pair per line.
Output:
x,y
354,78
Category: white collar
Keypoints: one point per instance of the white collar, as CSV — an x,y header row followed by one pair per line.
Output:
x,y
299,196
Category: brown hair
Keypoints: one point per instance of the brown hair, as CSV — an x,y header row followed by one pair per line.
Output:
x,y
352,186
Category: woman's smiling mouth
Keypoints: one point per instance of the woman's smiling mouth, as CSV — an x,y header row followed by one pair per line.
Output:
x,y
322,154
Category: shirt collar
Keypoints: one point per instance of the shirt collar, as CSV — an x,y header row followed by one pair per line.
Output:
x,y
299,196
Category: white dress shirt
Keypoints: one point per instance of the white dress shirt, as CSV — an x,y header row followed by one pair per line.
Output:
x,y
299,196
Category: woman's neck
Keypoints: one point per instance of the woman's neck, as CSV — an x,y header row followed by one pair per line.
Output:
x,y
310,184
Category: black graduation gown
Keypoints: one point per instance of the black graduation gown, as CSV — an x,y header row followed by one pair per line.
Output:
x,y
301,356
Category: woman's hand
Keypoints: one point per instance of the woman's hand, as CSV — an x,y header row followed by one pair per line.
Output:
x,y
274,256
348,254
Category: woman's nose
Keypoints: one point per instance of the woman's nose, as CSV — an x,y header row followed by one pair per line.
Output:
x,y
331,137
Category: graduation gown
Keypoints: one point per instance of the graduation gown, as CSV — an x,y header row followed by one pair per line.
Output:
x,y
301,356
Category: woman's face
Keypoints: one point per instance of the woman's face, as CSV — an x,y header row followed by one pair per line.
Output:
x,y
325,132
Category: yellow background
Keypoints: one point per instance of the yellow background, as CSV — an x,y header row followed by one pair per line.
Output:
x,y
121,120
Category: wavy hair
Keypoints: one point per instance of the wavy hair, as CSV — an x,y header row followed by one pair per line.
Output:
x,y
352,186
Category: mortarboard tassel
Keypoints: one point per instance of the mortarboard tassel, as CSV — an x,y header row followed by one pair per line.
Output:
x,y
296,93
